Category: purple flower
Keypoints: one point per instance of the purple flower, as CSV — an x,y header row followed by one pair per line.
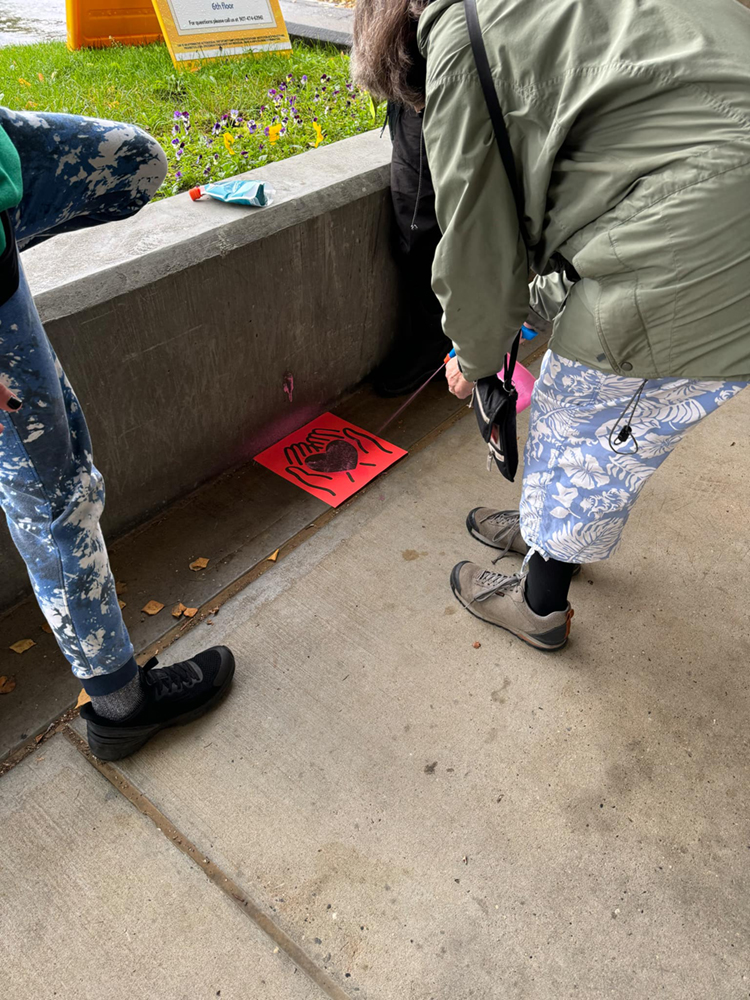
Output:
x,y
224,117
271,93
303,79
175,130
179,153
177,114
233,113
216,128
244,153
216,156
207,171
175,142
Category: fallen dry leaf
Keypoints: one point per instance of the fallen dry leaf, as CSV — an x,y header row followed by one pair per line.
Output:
x,y
47,629
39,738
7,684
153,608
215,611
120,588
178,610
83,698
274,556
122,604
190,612
22,645
199,564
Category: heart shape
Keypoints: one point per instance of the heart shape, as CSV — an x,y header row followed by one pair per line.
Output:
x,y
339,456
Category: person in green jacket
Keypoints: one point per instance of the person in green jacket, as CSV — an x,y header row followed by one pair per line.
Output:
x,y
59,173
629,124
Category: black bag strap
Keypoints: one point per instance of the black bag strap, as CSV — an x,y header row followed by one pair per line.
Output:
x,y
496,112
510,362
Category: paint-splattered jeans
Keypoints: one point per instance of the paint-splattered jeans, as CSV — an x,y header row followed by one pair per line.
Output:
x,y
77,172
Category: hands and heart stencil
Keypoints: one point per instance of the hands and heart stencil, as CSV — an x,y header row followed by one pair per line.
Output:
x,y
330,458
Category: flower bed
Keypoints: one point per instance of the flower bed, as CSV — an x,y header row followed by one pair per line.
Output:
x,y
223,119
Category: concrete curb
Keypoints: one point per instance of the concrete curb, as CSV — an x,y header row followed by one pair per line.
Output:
x,y
77,271
313,21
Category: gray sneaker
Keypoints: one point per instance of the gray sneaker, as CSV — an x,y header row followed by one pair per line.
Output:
x,y
501,600
498,528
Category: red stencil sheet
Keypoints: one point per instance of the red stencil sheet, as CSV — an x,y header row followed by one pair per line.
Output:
x,y
330,458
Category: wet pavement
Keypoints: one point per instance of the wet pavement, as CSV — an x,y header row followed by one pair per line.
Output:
x,y
23,22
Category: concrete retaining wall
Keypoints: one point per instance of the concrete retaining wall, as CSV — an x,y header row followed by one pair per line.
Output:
x,y
177,327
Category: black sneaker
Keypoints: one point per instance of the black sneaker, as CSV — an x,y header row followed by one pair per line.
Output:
x,y
173,695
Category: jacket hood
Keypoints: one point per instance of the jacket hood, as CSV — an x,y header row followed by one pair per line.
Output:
x,y
431,14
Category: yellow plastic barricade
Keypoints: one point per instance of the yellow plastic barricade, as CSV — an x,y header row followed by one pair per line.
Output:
x,y
96,24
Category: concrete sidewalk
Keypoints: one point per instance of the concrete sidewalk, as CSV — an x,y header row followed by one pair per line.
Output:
x,y
405,816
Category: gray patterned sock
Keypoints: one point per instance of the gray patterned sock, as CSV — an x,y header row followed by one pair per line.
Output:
x,y
121,703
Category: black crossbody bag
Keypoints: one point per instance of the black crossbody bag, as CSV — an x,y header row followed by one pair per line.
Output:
x,y
495,399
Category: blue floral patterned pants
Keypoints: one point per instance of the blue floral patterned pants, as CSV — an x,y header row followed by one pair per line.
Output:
x,y
577,491
77,172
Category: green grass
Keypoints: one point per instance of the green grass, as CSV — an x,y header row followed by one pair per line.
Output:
x,y
234,115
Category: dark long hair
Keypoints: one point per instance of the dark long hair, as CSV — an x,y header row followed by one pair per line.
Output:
x,y
385,57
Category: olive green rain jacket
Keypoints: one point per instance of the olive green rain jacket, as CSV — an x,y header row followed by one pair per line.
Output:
x,y
630,126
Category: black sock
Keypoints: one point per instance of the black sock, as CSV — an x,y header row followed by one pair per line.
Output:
x,y
547,584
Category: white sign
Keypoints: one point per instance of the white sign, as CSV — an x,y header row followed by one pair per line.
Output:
x,y
198,17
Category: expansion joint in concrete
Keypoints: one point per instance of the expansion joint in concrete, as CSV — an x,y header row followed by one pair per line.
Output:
x,y
212,871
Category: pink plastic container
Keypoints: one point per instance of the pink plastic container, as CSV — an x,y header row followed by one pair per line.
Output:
x,y
523,380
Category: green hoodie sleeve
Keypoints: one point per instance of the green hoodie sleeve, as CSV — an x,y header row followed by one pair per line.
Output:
x,y
480,272
11,185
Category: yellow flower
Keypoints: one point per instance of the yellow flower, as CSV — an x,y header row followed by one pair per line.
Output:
x,y
229,143
24,83
273,133
318,134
